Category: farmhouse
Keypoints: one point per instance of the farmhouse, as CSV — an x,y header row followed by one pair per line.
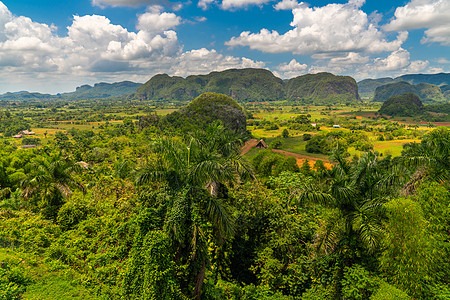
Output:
x,y
261,144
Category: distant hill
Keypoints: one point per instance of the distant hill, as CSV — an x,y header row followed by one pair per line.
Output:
x,y
102,90
426,92
240,84
251,85
98,91
322,87
406,105
207,109
367,86
26,96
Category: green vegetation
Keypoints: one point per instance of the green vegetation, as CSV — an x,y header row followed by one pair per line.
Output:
x,y
242,85
426,92
130,199
406,105
367,86
322,88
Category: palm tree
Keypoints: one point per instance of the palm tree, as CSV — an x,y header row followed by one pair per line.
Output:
x,y
195,170
356,192
50,181
431,155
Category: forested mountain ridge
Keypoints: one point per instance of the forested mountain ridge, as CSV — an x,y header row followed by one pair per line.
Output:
x,y
97,91
251,85
427,92
367,86
103,90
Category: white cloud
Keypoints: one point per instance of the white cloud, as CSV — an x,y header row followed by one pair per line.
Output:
x,y
96,50
431,14
202,61
291,69
233,4
331,28
293,65
200,19
417,66
397,60
157,22
204,4
115,3
286,5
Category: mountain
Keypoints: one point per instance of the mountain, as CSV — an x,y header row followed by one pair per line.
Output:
x,y
25,96
98,91
437,79
427,92
240,84
207,109
367,86
406,105
102,90
322,88
250,85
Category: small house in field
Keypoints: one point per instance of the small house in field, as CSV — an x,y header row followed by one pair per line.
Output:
x,y
336,126
17,136
26,132
261,144
28,146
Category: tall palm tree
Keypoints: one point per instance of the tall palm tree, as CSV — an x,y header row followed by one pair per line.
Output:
x,y
195,170
432,154
356,192
50,181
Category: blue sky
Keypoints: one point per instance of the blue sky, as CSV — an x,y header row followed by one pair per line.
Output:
x,y
54,46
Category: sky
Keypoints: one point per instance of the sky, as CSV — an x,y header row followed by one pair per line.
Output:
x,y
53,46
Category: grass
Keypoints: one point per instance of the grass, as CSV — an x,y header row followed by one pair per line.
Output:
x,y
49,280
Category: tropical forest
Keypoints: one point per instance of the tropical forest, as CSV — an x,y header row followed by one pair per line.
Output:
x,y
231,185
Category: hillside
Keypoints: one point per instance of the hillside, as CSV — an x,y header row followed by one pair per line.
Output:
x,y
426,92
251,85
98,91
367,86
406,105
321,88
102,90
25,96
206,109
242,85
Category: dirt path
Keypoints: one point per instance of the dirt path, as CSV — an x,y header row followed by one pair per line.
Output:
x,y
301,158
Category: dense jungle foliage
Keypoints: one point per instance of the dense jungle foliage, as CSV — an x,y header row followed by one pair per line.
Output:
x,y
163,207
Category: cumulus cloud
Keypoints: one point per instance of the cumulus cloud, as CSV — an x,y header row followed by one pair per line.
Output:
x,y
431,14
286,5
231,4
92,44
94,49
204,4
331,28
156,21
132,3
291,69
395,61
201,61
